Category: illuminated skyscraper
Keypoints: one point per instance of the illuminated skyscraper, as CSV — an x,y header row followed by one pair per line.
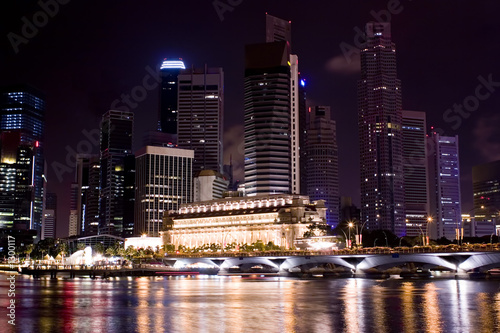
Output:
x,y
87,177
168,111
379,121
164,182
201,116
322,161
415,172
444,187
49,216
16,181
486,187
23,108
116,150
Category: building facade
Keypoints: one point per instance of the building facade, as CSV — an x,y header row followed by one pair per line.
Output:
x,y
201,116
17,181
444,187
49,216
116,171
209,185
267,119
415,172
87,177
23,108
379,121
163,182
243,220
322,161
486,188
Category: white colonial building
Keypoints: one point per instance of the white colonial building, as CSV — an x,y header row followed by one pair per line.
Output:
x,y
279,218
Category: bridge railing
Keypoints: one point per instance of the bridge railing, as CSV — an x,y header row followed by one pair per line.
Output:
x,y
356,251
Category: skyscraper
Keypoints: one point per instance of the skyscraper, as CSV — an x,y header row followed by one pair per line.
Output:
x,y
16,181
168,111
444,187
415,172
23,108
267,119
486,187
116,144
164,181
322,161
87,178
201,116
49,216
379,121
278,30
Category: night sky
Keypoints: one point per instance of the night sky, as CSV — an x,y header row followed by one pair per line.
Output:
x,y
91,52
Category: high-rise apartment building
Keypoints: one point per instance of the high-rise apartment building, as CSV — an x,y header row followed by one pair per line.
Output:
x,y
23,108
168,111
164,181
201,116
322,161
380,130
415,172
116,148
444,187
486,187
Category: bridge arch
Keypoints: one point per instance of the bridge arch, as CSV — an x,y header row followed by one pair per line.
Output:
x,y
481,261
386,261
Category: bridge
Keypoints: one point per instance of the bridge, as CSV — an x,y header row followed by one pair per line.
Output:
x,y
359,264
370,262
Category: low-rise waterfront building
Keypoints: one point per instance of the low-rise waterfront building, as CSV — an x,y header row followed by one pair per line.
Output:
x,y
279,218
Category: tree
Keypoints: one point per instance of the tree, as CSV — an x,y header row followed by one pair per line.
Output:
x,y
98,248
316,229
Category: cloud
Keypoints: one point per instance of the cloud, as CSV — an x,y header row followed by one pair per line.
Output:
x,y
234,147
486,139
342,65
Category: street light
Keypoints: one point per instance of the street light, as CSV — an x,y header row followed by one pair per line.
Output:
x,y
350,226
429,220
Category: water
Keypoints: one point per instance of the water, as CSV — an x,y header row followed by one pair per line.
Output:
x,y
234,304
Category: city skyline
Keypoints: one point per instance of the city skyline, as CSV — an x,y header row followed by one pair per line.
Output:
x,y
82,85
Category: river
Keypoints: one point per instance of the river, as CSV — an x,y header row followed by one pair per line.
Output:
x,y
235,304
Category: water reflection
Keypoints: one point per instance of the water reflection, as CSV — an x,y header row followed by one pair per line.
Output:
x,y
233,304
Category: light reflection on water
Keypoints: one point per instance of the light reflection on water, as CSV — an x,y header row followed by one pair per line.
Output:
x,y
234,304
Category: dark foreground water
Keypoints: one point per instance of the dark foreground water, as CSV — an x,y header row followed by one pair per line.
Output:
x,y
234,304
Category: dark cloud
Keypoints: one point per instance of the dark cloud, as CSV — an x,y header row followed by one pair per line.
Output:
x,y
486,139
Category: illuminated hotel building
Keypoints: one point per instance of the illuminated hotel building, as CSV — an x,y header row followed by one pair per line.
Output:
x,y
201,116
163,182
415,172
168,111
379,121
23,108
444,186
244,220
